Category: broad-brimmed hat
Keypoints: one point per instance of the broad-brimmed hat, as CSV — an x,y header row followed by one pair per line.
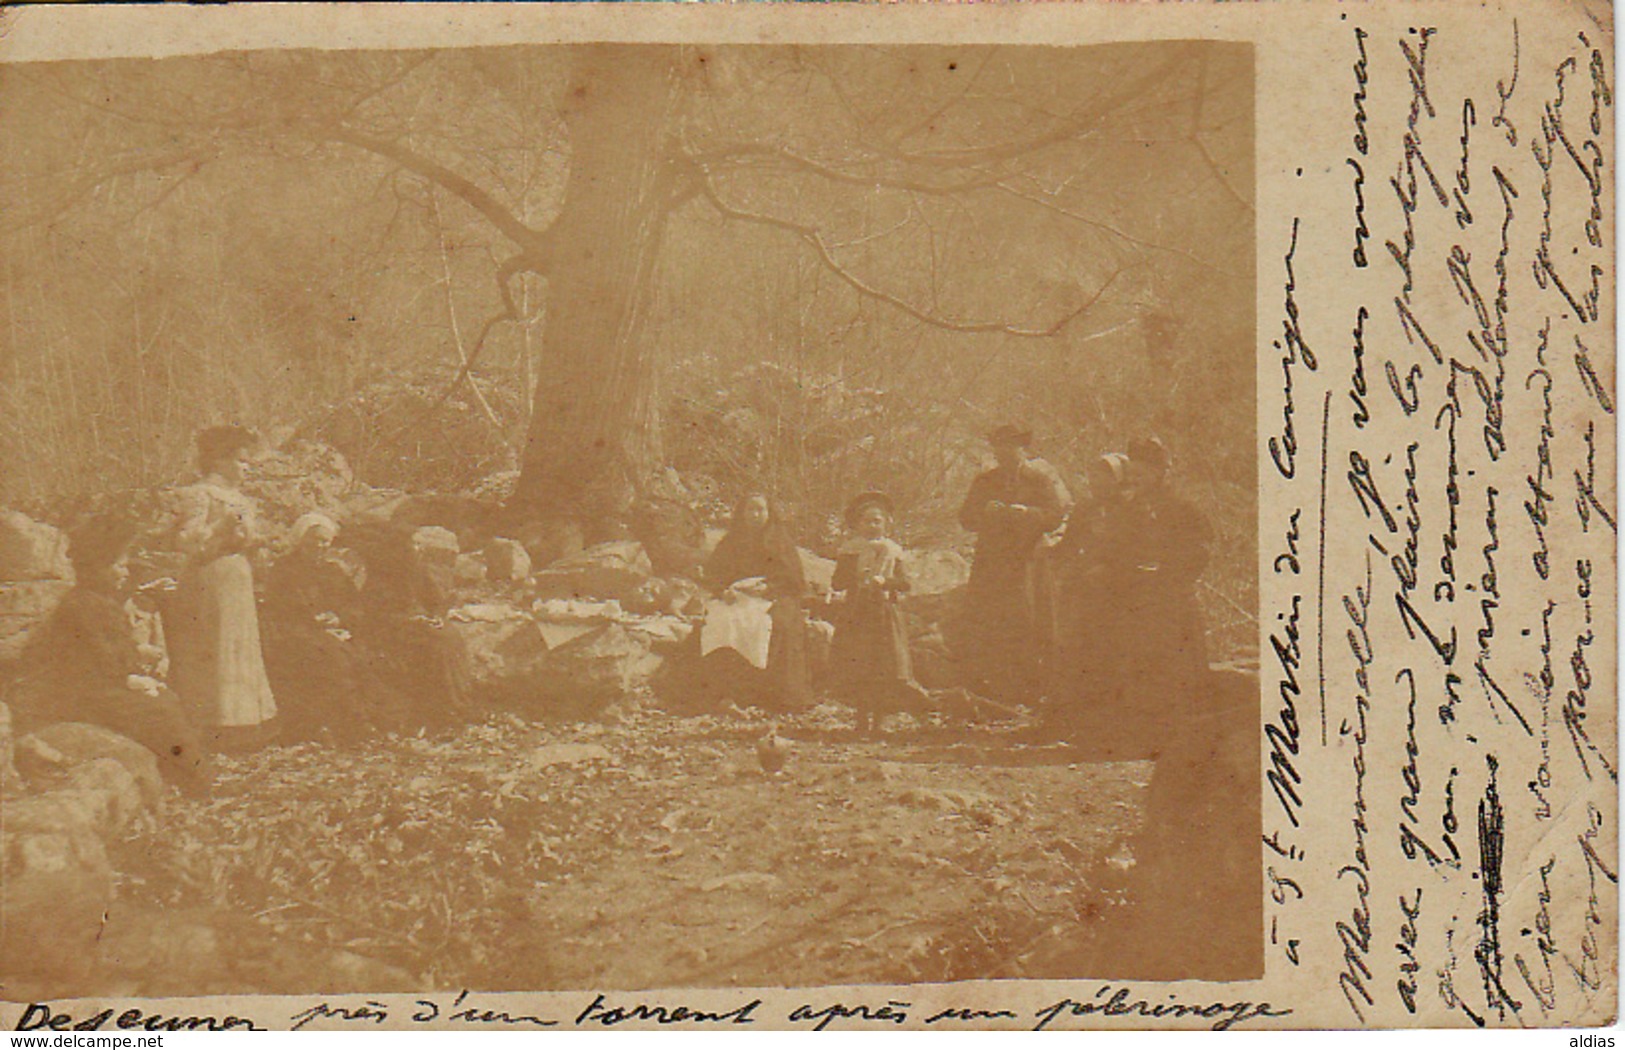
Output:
x,y
1011,434
863,501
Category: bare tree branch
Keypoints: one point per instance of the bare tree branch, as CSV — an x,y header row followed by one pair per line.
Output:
x,y
1082,121
758,155
532,242
820,247
466,368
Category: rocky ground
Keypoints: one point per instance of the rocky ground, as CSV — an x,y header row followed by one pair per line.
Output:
x,y
651,851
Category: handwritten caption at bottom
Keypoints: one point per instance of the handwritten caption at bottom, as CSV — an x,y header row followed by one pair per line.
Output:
x,y
466,1009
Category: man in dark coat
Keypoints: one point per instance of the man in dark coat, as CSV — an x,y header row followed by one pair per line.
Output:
x,y
1008,629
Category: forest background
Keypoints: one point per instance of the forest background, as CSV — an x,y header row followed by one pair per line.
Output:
x,y
564,276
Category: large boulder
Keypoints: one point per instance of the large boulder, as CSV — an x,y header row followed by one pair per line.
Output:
x,y
48,756
107,793
32,550
437,546
607,664
935,571
553,667
618,571
504,645
55,888
24,606
470,570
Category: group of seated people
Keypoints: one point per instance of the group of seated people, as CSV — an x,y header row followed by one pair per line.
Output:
x,y
192,662
1065,606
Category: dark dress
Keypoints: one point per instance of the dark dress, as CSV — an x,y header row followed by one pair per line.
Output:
x,y
1092,669
422,661
324,684
1007,627
1200,743
75,669
869,659
1168,549
767,553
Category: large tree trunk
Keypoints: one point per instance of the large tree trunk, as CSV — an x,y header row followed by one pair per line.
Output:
x,y
592,434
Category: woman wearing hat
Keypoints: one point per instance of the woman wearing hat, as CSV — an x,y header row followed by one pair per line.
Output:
x,y
85,664
216,663
870,657
1008,626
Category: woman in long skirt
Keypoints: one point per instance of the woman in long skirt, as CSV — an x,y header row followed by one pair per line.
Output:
x,y
216,663
757,558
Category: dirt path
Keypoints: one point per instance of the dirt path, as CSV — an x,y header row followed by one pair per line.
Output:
x,y
653,852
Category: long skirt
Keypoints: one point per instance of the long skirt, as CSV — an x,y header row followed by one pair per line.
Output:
x,y
870,659
724,676
1006,628
216,664
326,686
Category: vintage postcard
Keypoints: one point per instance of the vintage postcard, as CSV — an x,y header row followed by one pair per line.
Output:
x,y
521,517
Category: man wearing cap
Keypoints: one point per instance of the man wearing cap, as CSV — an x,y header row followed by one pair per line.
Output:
x,y
1016,510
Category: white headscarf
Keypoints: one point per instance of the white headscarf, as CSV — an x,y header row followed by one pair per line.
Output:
x,y
313,520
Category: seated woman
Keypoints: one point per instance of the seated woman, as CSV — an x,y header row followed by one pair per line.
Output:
x,y
326,688
870,658
756,559
400,625
86,665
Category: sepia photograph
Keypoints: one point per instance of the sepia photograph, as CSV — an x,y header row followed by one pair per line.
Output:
x,y
627,516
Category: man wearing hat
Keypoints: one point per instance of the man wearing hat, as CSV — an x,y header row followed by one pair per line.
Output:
x,y
1016,510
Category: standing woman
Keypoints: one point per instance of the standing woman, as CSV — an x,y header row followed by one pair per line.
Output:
x,y
216,664
757,548
1008,626
1092,669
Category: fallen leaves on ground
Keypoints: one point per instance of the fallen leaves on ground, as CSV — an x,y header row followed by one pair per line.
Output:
x,y
651,852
